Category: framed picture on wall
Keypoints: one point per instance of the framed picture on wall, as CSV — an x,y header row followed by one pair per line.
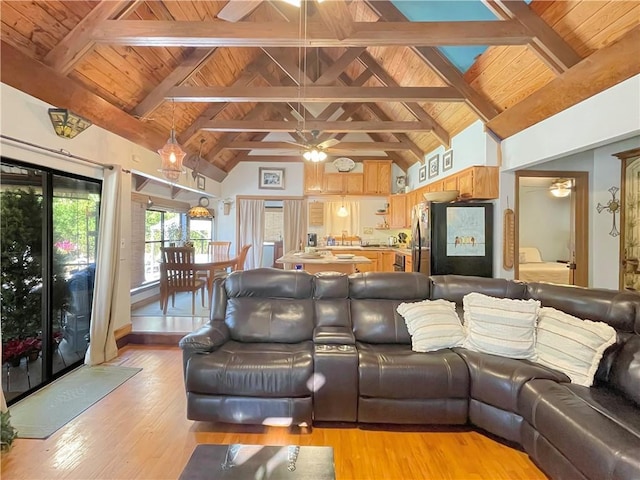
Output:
x,y
422,173
271,178
447,160
434,165
200,182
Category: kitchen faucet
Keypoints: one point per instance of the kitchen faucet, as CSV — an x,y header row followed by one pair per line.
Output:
x,y
344,237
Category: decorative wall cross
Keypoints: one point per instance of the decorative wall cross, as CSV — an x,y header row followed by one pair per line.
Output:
x,y
613,207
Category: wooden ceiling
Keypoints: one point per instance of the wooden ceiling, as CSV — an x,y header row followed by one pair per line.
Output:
x,y
229,74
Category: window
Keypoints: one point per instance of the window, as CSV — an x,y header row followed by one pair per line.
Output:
x,y
162,229
273,222
200,233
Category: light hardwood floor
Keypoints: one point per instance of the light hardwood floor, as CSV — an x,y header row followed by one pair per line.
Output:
x,y
140,431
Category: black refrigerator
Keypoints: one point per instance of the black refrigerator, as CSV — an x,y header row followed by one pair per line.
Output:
x,y
452,238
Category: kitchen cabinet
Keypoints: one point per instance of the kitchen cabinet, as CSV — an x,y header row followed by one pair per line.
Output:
x,y
377,177
398,211
386,261
343,183
313,177
408,264
450,182
478,183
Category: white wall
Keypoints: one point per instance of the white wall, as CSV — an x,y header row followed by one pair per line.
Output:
x,y
580,138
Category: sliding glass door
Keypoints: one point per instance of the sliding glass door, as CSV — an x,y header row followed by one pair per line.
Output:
x,y
48,239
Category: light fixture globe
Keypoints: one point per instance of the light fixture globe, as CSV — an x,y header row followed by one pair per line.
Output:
x,y
561,188
314,155
172,156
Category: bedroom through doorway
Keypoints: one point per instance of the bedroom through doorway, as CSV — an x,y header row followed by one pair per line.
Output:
x,y
552,239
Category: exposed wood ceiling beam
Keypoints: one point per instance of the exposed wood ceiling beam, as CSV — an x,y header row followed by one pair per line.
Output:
x,y
314,94
187,68
78,42
336,68
601,70
162,33
546,43
298,158
284,126
416,110
439,64
342,147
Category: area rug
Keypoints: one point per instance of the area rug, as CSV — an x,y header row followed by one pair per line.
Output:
x,y
42,413
260,462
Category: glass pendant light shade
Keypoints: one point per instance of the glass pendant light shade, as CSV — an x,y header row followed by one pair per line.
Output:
x,y
198,212
342,211
314,155
172,156
561,188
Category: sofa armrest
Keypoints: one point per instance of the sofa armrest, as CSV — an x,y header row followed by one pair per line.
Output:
x,y
204,340
333,336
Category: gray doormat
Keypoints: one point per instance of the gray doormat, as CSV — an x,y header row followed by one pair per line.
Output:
x,y
260,462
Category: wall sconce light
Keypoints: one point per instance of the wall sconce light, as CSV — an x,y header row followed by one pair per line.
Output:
x,y
561,187
226,205
66,123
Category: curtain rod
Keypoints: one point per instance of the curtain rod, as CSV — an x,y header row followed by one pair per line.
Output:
x,y
60,152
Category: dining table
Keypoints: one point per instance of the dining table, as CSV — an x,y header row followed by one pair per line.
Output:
x,y
210,263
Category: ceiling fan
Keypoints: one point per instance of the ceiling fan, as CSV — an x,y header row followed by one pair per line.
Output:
x,y
315,151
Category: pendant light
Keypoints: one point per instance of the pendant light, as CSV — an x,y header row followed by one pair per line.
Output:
x,y
172,154
561,187
200,210
342,211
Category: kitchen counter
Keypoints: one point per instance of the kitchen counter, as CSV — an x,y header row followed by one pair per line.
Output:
x,y
374,248
324,263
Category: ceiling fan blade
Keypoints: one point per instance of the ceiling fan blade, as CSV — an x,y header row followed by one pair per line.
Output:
x,y
328,143
236,10
301,145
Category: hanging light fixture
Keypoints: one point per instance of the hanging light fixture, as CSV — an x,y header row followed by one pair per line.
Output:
x,y
342,211
200,210
561,187
172,154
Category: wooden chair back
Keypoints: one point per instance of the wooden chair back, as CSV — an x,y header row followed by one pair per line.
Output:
x,y
242,257
176,277
219,249
181,255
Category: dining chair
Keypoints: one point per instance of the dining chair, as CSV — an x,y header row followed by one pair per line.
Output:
x,y
218,249
173,255
242,257
180,277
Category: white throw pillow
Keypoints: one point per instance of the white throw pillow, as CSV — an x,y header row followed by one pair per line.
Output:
x,y
500,326
530,254
433,325
571,345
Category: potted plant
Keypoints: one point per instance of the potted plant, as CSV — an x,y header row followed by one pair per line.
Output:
x,y
7,432
13,351
32,347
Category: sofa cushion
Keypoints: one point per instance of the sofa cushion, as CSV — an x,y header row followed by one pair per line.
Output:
x,y
571,345
252,370
432,324
394,371
455,287
500,326
625,372
597,430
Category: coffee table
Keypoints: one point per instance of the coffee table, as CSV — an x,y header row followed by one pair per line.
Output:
x,y
260,462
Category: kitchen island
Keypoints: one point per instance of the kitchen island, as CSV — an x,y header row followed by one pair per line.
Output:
x,y
323,263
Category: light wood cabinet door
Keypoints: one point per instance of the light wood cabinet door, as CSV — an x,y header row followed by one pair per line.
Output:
x,y
465,184
450,182
333,183
374,266
386,262
353,183
377,177
408,264
313,177
398,211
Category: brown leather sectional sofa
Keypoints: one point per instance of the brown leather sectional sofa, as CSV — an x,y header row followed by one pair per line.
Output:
x,y
286,346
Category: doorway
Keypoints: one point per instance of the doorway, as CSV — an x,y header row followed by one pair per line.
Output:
x,y
552,234
629,215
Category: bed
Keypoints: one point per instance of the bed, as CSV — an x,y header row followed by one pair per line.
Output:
x,y
534,269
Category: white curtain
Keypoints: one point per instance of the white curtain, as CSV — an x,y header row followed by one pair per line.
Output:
x,y
294,214
252,230
335,225
102,346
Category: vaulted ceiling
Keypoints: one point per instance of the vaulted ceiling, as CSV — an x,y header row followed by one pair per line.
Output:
x,y
244,78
